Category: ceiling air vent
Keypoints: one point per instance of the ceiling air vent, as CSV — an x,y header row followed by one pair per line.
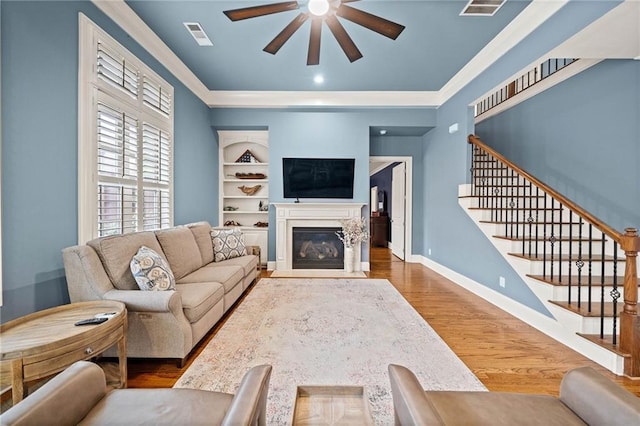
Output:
x,y
198,33
481,7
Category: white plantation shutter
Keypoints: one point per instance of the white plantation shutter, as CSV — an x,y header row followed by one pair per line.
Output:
x,y
154,96
115,70
126,154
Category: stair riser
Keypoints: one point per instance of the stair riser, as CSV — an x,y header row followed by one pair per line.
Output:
x,y
586,325
539,247
539,216
534,267
545,291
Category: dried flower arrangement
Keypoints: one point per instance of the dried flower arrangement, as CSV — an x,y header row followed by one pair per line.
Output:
x,y
354,230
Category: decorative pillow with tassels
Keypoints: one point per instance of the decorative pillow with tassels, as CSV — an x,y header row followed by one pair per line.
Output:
x,y
151,271
227,244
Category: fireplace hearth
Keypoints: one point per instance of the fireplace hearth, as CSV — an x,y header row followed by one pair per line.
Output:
x,y
317,248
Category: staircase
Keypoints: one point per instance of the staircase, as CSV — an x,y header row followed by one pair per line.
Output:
x,y
583,271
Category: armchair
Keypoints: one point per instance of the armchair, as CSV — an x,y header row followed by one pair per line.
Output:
x,y
79,395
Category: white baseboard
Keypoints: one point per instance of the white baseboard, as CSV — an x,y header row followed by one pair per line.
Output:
x,y
541,322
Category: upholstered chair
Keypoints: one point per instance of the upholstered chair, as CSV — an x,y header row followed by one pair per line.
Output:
x,y
79,395
586,397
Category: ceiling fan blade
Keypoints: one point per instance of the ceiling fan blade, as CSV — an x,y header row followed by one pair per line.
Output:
x,y
255,11
313,55
345,42
285,34
374,23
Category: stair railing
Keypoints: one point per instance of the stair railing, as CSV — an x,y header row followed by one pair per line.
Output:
x,y
575,248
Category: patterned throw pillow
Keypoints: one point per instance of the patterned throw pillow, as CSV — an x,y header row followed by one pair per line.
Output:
x,y
227,244
151,271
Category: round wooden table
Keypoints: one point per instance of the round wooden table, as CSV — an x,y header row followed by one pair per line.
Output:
x,y
46,342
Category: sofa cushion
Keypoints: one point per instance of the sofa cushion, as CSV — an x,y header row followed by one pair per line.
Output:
x,y
227,244
498,408
181,250
227,275
116,252
248,263
202,233
199,298
151,271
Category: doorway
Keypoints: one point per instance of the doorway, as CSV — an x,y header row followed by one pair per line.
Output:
x,y
401,223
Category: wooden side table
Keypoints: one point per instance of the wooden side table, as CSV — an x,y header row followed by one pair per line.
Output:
x,y
46,342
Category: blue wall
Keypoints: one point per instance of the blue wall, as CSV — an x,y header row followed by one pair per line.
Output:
x,y
39,148
588,148
323,133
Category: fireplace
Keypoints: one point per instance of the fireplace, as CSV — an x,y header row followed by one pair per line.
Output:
x,y
323,218
317,248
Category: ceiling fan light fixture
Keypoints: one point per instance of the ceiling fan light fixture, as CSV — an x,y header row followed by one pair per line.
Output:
x,y
318,7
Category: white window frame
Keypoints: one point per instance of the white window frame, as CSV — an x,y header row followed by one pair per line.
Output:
x,y
91,90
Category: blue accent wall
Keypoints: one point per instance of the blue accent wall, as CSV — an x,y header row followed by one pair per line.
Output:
x,y
326,133
589,146
39,148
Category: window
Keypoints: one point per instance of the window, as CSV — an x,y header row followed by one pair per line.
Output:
x,y
125,140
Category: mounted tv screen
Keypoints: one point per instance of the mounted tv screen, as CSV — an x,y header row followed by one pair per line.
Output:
x,y
318,177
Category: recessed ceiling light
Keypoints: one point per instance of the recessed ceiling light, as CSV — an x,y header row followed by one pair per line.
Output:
x,y
383,131
318,79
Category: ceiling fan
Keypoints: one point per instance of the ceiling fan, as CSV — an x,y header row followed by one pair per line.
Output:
x,y
319,11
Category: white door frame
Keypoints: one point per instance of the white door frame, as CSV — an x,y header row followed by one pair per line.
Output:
x,y
408,225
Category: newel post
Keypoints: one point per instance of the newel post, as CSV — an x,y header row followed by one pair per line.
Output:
x,y
629,320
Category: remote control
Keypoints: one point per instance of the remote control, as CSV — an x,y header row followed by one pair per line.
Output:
x,y
91,321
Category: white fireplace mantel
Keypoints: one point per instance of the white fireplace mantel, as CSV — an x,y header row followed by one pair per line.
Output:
x,y
290,215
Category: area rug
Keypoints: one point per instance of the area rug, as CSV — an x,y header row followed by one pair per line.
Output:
x,y
326,332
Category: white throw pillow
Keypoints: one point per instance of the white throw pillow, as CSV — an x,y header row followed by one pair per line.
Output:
x,y
151,271
227,244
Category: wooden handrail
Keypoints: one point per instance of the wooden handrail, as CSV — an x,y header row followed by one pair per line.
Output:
x,y
617,236
629,242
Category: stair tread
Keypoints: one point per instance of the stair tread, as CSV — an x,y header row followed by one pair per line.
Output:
x,y
594,258
501,196
595,280
502,222
540,239
605,343
516,208
583,309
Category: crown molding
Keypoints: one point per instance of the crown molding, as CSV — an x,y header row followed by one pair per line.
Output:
x,y
133,25
524,24
276,99
531,17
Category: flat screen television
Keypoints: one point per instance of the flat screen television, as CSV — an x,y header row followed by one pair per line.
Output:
x,y
318,177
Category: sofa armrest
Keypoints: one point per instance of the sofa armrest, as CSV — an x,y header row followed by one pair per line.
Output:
x,y
249,404
147,301
64,400
598,400
410,403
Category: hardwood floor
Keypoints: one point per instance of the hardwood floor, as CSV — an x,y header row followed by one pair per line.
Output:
x,y
502,351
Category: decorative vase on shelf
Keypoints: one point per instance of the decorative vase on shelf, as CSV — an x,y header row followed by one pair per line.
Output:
x,y
348,259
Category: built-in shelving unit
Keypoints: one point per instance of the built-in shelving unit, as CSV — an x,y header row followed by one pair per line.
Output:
x,y
244,185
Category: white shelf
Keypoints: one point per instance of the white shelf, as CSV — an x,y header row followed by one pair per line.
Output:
x,y
245,164
244,212
234,144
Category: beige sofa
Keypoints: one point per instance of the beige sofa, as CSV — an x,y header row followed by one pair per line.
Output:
x,y
161,324
586,397
79,396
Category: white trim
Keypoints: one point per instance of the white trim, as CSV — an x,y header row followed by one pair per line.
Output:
x,y
522,25
543,323
131,23
526,22
539,87
408,229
